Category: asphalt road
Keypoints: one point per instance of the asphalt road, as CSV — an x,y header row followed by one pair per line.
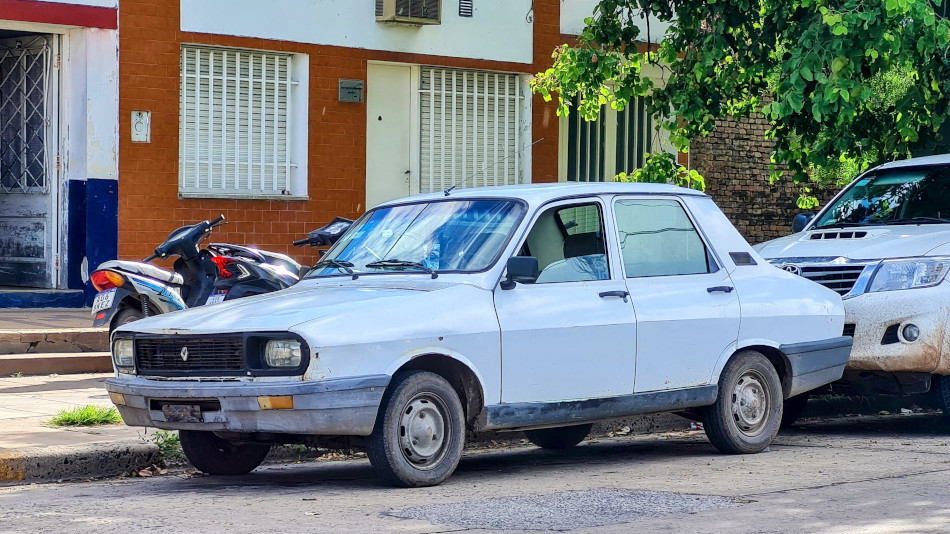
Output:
x,y
887,474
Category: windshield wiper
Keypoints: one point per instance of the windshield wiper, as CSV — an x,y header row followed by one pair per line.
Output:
x,y
918,220
338,264
402,263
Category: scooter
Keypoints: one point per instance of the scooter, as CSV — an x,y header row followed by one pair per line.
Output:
x,y
130,290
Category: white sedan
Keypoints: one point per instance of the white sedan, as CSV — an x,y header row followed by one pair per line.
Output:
x,y
540,308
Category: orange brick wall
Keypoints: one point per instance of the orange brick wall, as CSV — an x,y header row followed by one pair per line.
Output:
x,y
149,207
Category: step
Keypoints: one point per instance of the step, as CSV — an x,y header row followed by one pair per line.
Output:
x,y
63,340
55,363
41,298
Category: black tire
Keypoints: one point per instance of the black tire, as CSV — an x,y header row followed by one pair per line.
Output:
x,y
562,437
419,432
125,315
793,409
748,411
940,388
218,456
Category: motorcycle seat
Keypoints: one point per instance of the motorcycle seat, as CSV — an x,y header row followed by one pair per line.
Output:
x,y
144,269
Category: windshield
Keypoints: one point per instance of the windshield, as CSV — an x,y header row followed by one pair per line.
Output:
x,y
905,195
455,235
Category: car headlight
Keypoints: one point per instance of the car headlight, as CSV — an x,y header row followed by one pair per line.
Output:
x,y
282,353
122,353
915,273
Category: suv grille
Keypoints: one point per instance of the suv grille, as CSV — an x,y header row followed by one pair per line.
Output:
x,y
840,278
167,354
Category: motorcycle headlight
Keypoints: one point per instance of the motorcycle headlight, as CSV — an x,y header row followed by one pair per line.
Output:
x,y
915,273
122,353
282,353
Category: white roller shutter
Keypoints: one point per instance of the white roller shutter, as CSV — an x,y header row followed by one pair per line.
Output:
x,y
470,128
234,122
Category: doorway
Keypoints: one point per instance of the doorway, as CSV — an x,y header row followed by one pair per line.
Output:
x,y
29,178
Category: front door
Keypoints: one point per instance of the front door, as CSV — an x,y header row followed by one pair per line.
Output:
x,y
572,334
388,123
28,178
687,309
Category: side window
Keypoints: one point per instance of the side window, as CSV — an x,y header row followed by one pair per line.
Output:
x,y
658,239
569,244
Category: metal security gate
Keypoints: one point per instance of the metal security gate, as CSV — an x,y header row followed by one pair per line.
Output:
x,y
27,207
470,128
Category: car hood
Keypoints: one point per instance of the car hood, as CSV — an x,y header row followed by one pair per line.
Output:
x,y
878,242
282,310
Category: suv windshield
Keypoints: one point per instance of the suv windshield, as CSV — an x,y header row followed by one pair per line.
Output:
x,y
917,196
453,235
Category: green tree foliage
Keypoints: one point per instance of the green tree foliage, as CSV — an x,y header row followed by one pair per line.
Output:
x,y
843,84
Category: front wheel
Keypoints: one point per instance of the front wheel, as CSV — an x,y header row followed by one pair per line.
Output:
x,y
562,437
419,432
941,392
219,456
748,410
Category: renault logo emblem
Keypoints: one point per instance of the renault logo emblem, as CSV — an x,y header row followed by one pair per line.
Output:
x,y
184,354
792,268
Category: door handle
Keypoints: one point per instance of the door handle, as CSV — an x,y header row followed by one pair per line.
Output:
x,y
720,289
621,294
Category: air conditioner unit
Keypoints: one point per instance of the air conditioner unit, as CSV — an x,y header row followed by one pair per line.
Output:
x,y
409,11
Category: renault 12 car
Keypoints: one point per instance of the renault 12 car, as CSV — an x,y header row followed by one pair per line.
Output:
x,y
883,243
540,308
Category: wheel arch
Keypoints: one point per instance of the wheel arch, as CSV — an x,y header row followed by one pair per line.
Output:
x,y
779,361
460,375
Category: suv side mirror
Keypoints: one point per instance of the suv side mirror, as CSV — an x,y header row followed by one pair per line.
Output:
x,y
521,269
801,221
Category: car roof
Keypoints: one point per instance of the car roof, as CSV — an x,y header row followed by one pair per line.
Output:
x,y
538,193
941,159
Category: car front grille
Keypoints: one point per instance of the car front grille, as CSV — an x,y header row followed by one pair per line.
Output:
x,y
175,355
840,278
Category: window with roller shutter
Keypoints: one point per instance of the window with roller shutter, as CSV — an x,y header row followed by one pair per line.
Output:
x,y
470,129
236,115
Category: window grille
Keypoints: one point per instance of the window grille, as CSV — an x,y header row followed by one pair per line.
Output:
x,y
469,128
235,121
590,143
24,86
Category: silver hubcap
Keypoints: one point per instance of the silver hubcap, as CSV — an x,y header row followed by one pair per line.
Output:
x,y
750,403
423,430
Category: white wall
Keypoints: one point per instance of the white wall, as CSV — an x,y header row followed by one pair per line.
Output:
x,y
95,3
497,31
573,13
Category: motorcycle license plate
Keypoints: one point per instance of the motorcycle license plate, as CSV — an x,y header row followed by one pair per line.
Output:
x,y
216,298
103,301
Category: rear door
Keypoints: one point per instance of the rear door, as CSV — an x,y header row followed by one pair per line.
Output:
x,y
686,306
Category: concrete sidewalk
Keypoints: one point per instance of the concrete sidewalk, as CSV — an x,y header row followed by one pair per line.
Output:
x,y
31,451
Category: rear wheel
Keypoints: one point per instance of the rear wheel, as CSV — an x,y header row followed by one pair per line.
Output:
x,y
562,437
419,432
940,387
219,456
748,411
125,315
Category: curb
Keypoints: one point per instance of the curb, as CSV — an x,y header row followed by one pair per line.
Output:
x,y
51,464
34,341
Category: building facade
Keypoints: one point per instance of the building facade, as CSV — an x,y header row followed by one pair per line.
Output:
x,y
59,146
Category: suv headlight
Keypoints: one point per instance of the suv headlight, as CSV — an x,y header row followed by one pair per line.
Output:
x,y
122,353
282,353
914,273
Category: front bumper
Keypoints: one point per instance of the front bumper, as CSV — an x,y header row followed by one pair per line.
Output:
x,y
816,363
338,407
873,313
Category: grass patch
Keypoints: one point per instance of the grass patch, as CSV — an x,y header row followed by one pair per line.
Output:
x,y
169,446
88,415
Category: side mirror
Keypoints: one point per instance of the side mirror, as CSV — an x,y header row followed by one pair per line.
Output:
x,y
522,269
801,221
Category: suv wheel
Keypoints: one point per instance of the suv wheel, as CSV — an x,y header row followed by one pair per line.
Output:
x,y
219,456
748,411
941,392
419,432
